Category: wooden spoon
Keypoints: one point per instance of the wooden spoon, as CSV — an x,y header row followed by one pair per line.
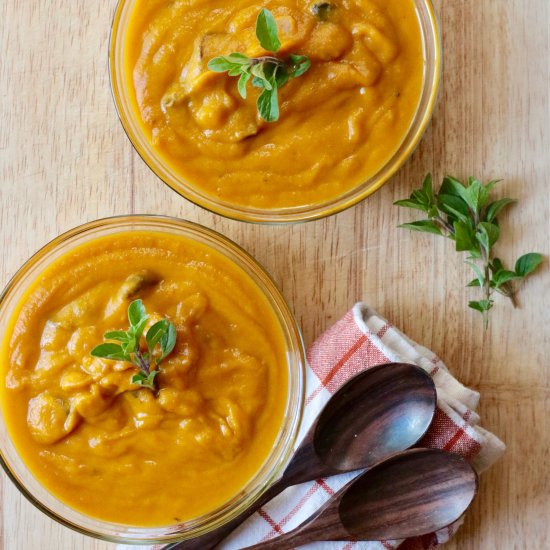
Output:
x,y
379,412
411,494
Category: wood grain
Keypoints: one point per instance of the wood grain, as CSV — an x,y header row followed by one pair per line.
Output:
x,y
64,159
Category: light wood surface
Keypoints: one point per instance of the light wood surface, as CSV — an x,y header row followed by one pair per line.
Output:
x,y
64,160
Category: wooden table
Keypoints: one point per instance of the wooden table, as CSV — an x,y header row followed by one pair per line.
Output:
x,y
64,160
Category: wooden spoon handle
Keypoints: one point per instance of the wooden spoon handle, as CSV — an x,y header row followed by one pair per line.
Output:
x,y
288,541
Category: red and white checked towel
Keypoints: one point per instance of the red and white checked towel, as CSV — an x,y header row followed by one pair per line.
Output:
x,y
359,340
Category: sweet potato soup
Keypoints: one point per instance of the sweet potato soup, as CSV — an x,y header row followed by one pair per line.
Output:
x,y
121,452
340,122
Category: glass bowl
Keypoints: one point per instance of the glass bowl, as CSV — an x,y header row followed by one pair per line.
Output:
x,y
282,449
432,71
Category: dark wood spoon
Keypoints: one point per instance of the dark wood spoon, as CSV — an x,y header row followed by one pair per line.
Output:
x,y
411,494
381,411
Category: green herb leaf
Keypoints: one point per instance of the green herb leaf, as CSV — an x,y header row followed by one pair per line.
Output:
x,y
137,330
481,305
241,85
155,334
168,341
474,282
266,31
118,335
428,188
259,72
465,237
528,263
502,277
411,203
300,64
479,274
425,226
268,105
145,380
220,64
487,234
109,351
451,186
136,312
493,209
453,206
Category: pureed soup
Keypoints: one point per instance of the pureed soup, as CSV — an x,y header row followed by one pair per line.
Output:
x,y
339,123
121,452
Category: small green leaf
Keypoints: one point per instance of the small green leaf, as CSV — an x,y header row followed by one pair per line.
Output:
x,y
268,105
136,312
301,63
528,263
118,335
241,85
451,186
137,330
492,231
476,194
155,333
474,282
419,196
427,188
266,31
453,206
464,237
477,270
109,351
168,341
493,210
411,203
238,58
502,277
258,71
129,346
220,64
496,265
481,305
425,226
147,381
282,76
235,71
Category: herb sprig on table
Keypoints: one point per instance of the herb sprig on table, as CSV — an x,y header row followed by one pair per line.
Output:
x,y
268,72
462,212
160,340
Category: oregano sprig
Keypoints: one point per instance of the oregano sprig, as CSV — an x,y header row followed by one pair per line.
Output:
x,y
268,72
160,340
462,212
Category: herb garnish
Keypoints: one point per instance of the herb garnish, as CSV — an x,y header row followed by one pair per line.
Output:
x,y
462,213
160,340
268,72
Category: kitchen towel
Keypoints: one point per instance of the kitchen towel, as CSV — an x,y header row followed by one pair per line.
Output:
x,y
359,340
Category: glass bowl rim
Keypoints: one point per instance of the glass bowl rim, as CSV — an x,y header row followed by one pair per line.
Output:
x,y
361,191
283,447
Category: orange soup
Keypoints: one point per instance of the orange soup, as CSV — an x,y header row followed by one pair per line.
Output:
x,y
121,452
340,122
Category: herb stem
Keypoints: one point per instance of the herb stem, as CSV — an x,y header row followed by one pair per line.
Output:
x,y
486,284
144,366
266,58
445,225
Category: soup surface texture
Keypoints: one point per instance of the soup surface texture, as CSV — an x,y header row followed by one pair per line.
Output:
x,y
112,449
340,122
